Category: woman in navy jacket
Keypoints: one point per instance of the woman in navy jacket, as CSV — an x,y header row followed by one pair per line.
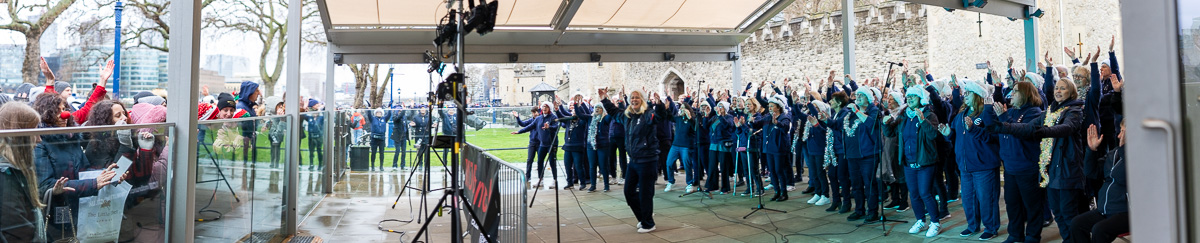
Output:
x,y
1025,200
861,145
1060,168
813,136
640,120
750,147
598,145
775,144
685,133
918,155
720,150
576,121
546,129
704,119
1111,216
534,144
978,161
835,152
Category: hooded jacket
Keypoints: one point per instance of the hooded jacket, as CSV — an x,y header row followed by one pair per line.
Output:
x,y
1113,197
277,128
379,124
245,104
399,125
925,139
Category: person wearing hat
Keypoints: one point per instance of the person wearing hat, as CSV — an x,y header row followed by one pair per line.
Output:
x,y
400,136
378,119
861,145
775,126
889,155
978,160
247,100
703,120
640,120
532,150
917,128
316,134
720,150
685,135
23,93
22,219
276,128
546,128
598,147
575,118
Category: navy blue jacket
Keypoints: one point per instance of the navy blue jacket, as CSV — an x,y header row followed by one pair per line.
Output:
x,y
1066,168
975,148
720,129
925,139
836,126
576,122
603,132
1114,194
775,139
378,124
58,156
863,142
400,125
703,123
545,136
449,123
1020,154
815,143
685,129
640,130
244,103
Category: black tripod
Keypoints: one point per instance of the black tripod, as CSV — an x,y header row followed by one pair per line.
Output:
x,y
554,176
753,189
883,220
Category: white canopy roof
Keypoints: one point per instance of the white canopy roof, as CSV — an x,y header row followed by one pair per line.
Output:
x,y
399,31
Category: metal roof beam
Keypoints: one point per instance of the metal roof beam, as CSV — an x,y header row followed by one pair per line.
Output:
x,y
354,54
1006,8
566,12
766,16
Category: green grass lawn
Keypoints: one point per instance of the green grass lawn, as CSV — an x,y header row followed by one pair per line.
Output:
x,y
490,138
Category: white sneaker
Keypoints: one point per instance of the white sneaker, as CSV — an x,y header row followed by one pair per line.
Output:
x,y
768,187
814,199
669,186
933,230
791,188
917,227
639,226
824,201
690,189
643,231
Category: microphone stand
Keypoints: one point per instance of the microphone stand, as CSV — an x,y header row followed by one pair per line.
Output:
x,y
760,201
883,220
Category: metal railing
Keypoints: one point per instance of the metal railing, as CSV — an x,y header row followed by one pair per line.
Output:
x,y
513,205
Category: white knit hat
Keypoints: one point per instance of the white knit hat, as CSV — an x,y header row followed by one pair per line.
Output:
x,y
917,91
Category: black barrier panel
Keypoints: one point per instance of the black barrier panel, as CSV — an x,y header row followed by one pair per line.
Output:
x,y
483,190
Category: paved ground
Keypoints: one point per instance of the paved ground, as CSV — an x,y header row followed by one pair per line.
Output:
x,y
353,213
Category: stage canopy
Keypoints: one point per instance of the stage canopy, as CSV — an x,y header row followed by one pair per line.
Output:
x,y
393,31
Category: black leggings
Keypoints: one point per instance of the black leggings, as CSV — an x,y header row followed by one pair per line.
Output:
x,y
401,152
1102,228
377,146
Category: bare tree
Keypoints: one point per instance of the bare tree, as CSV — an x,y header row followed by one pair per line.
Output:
x,y
267,20
33,29
366,83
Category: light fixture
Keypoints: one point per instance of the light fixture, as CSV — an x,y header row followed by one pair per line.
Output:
x,y
667,56
447,31
595,57
949,9
512,57
1034,12
482,18
733,56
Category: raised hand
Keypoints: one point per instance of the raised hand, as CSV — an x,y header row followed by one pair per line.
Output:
x,y
1069,52
1093,138
1112,43
999,108
60,186
46,71
1010,62
1049,60
603,93
1117,83
1098,53
943,129
515,114
108,71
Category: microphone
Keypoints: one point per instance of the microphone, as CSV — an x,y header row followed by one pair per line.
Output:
x,y
896,63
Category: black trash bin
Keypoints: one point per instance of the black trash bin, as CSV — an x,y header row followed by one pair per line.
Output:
x,y
359,158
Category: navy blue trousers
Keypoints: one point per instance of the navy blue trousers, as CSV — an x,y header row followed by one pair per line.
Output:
x,y
639,190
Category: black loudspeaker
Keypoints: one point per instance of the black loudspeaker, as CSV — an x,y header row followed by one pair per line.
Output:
x,y
359,158
595,57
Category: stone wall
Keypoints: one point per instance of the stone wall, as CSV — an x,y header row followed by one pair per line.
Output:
x,y
809,46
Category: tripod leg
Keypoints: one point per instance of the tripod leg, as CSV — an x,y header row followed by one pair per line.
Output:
x,y
221,174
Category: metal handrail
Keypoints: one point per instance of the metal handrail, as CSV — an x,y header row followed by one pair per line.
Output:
x,y
219,121
62,130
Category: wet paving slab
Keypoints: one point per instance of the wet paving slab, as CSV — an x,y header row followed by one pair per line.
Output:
x,y
358,204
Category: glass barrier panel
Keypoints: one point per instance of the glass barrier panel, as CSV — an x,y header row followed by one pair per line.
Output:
x,y
241,166
311,171
113,183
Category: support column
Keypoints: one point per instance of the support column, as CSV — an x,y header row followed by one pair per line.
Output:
x,y
848,38
292,90
1031,52
330,123
184,66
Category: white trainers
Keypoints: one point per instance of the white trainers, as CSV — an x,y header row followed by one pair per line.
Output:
x,y
690,189
824,201
769,187
814,199
639,226
669,186
791,188
916,228
643,231
933,230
